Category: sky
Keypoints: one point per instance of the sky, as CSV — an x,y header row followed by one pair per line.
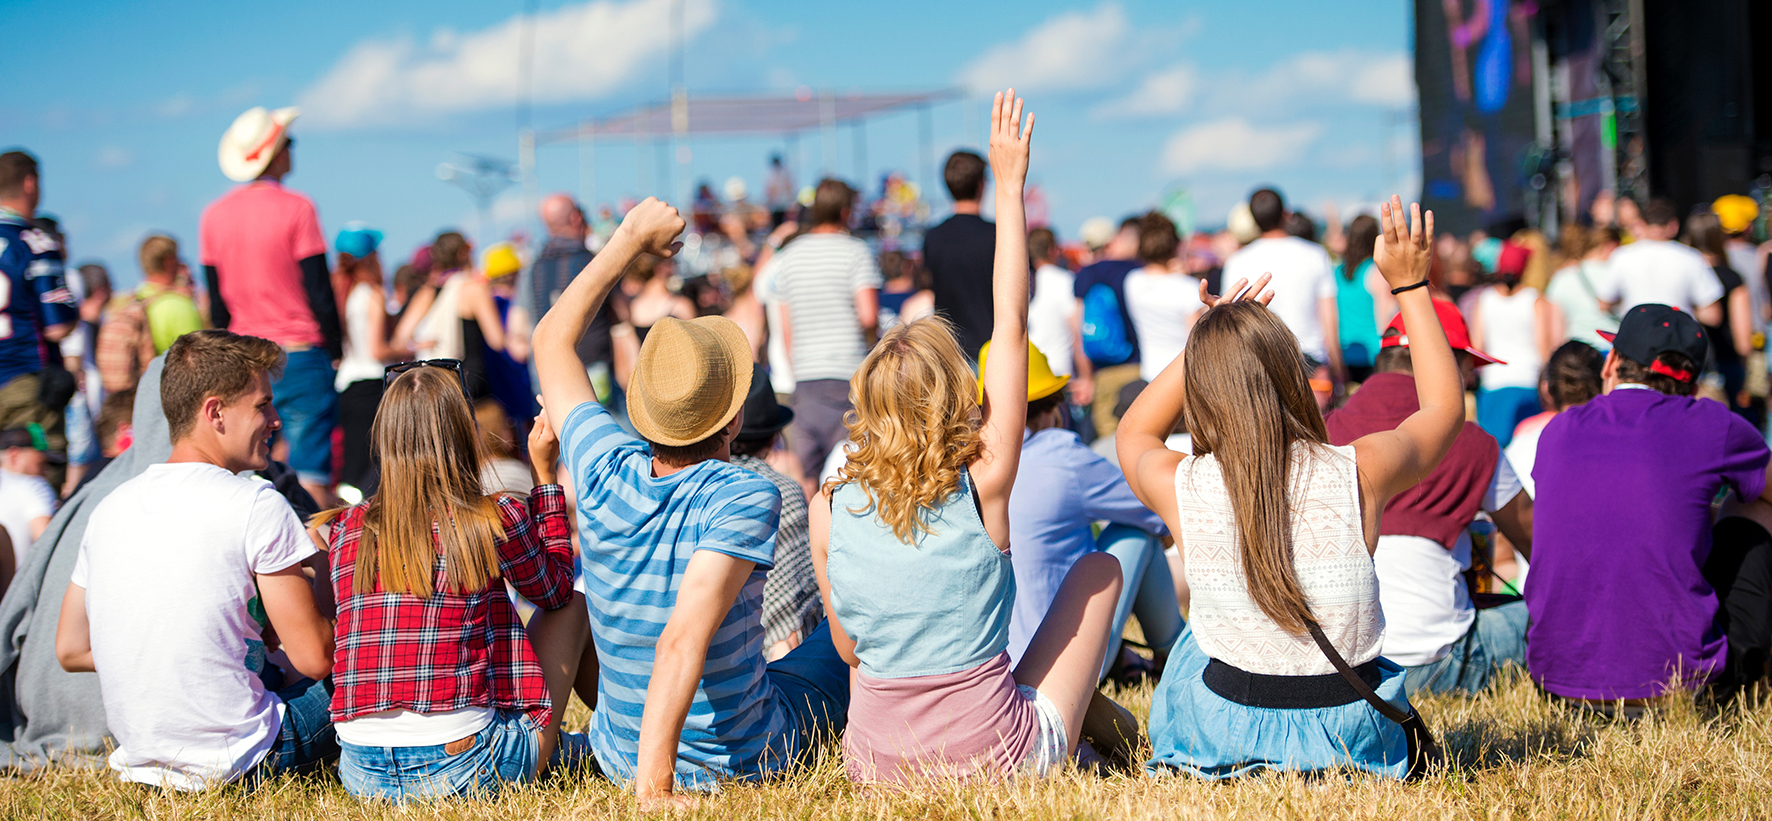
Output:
x,y
1136,101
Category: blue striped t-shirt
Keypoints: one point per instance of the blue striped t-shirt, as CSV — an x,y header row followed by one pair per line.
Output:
x,y
636,534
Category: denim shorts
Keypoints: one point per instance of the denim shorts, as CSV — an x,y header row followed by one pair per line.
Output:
x,y
307,401
505,752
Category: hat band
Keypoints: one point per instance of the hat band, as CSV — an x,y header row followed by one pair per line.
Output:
x,y
276,132
1671,373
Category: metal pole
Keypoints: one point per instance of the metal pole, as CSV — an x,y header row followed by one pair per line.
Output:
x,y
642,176
861,154
926,139
526,165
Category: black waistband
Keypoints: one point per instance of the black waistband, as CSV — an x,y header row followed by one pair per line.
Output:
x,y
1286,692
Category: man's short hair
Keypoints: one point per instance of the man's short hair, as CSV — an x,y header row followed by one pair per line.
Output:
x,y
1157,238
830,200
1394,359
1268,208
118,410
1637,373
964,175
1572,375
159,253
15,167
206,363
1042,245
1659,212
679,456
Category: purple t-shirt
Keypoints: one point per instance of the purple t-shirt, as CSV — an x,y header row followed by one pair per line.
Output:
x,y
1621,531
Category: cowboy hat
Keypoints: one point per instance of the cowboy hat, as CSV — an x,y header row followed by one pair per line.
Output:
x,y
253,140
690,381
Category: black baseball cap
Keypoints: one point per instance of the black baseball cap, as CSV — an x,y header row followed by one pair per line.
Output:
x,y
1649,331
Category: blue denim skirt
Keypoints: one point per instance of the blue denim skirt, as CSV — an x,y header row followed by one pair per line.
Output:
x,y
505,752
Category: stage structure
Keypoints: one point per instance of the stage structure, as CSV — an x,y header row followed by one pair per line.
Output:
x,y
670,124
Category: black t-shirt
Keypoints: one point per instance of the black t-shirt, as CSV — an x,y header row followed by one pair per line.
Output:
x,y
1722,339
960,253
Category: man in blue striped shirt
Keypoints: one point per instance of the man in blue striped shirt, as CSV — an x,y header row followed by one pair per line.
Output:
x,y
675,545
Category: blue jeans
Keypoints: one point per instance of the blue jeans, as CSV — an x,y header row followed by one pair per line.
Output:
x,y
308,403
507,751
814,680
1148,590
1497,637
1499,411
305,740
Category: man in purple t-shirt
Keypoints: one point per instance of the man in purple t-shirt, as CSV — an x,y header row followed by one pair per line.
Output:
x,y
1627,595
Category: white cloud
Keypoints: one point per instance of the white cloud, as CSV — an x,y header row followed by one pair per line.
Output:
x,y
1232,144
113,156
1169,91
1071,51
1347,75
581,52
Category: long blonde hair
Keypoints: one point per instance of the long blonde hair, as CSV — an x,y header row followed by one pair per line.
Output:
x,y
425,441
1248,401
915,424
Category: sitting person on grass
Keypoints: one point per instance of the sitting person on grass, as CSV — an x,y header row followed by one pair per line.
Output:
x,y
185,572
675,543
791,608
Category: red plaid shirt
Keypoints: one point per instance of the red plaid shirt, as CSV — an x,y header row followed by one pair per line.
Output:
x,y
451,650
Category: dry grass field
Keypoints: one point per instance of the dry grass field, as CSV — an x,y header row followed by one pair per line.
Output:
x,y
1515,756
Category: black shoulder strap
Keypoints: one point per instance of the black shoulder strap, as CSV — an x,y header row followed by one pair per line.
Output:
x,y
1353,679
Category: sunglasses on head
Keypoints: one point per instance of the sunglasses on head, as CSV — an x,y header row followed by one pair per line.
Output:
x,y
393,372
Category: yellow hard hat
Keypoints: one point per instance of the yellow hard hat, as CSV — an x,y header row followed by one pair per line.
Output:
x,y
500,260
1735,212
1042,382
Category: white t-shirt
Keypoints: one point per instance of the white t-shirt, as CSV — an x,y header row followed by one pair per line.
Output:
x,y
1658,271
1303,275
816,277
1426,605
1049,317
1510,334
1162,308
781,368
357,365
23,499
168,563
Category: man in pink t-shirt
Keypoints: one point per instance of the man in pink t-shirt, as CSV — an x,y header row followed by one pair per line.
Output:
x,y
265,262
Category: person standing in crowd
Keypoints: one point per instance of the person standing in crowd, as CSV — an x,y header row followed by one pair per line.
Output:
x,y
959,251
462,321
1731,336
1633,593
1574,289
431,653
1163,301
144,324
507,367
1363,303
791,607
26,499
1277,529
367,354
778,191
669,516
91,285
264,260
1049,313
1103,339
1656,269
646,288
1304,289
39,310
908,540
830,284
561,258
1571,377
1737,213
1432,627
746,310
1509,319
188,690
905,296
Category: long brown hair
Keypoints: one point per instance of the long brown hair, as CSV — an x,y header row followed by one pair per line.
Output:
x,y
429,452
1248,401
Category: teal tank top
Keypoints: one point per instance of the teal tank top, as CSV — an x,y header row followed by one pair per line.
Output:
x,y
940,605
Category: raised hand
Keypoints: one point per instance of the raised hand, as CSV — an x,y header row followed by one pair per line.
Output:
x,y
1404,253
544,448
1009,141
655,226
1239,292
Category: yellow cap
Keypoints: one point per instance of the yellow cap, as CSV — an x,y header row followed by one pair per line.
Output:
x,y
1042,382
500,260
1736,212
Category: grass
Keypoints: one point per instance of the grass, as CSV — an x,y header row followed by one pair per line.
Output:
x,y
1515,756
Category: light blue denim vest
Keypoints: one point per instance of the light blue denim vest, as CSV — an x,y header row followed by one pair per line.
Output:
x,y
940,605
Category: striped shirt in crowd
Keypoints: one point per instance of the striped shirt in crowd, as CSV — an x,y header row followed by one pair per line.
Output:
x,y
637,533
817,275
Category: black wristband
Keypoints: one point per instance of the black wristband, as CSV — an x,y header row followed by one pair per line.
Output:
x,y
1421,284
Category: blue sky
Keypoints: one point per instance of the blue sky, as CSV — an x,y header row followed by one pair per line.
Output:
x,y
127,101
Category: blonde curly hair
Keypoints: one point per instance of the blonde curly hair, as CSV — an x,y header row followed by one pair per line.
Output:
x,y
915,425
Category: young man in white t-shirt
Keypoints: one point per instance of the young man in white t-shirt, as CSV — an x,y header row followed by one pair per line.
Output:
x,y
26,500
1656,269
1052,306
1303,285
188,574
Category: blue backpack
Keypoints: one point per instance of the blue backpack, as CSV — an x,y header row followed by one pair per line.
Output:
x,y
1105,340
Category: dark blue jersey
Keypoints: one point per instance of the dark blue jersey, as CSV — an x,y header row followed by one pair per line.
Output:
x,y
33,294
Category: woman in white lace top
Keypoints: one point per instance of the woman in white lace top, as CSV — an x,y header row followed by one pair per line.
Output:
x,y
1277,528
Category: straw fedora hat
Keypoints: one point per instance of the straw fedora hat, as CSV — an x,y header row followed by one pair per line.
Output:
x,y
691,379
255,137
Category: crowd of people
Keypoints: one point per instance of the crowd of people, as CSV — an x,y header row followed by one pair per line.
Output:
x,y
778,483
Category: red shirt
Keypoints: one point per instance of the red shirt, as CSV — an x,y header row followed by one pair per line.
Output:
x,y
256,237
451,650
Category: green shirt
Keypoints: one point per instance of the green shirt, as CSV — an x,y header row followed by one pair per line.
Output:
x,y
171,314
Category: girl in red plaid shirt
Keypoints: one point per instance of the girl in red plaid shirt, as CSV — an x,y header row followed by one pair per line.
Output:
x,y
438,691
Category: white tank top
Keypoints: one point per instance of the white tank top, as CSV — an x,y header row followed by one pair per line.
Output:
x,y
1510,335
1329,555
357,364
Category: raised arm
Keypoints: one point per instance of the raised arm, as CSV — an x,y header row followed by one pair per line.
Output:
x,y
651,227
1394,460
1006,370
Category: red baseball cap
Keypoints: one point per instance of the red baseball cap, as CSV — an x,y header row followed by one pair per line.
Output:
x,y
1457,334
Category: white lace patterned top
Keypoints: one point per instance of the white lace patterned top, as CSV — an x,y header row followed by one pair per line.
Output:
x,y
1329,553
